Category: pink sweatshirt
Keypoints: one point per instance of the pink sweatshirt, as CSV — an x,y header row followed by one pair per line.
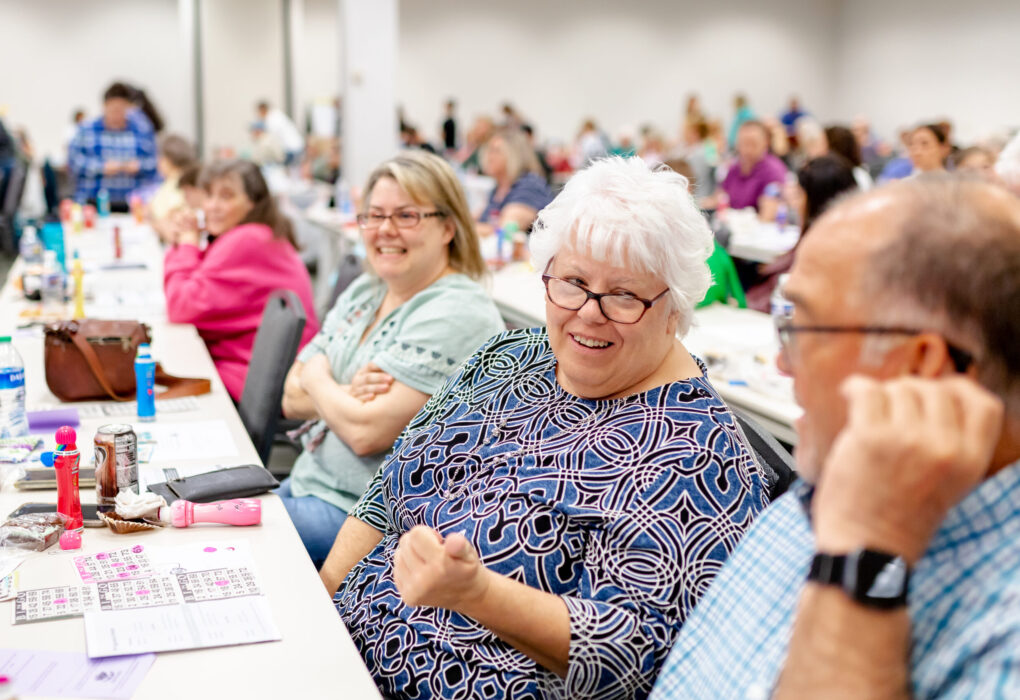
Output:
x,y
223,291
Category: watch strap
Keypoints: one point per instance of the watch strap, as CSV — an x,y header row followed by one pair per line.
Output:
x,y
872,578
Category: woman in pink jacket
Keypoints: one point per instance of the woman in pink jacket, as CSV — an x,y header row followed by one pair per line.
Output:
x,y
223,287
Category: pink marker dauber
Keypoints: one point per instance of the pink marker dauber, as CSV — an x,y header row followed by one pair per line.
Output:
x,y
239,511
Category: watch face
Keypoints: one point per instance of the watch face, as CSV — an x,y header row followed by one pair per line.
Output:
x,y
881,579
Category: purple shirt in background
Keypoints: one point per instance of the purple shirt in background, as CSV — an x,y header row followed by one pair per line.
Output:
x,y
744,190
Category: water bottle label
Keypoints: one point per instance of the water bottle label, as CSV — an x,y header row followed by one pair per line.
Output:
x,y
12,378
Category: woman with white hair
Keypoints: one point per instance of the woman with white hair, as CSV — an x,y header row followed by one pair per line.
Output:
x,y
547,522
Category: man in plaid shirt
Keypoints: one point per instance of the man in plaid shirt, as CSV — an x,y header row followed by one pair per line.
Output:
x,y
892,570
115,152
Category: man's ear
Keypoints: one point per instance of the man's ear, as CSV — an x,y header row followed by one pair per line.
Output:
x,y
928,357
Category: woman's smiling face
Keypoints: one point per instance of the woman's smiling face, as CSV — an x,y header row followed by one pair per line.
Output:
x,y
599,358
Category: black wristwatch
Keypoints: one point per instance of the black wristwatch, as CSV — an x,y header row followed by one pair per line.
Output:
x,y
874,579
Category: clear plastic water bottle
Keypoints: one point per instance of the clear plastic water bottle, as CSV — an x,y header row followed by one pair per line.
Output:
x,y
343,197
13,422
30,247
780,306
782,216
52,282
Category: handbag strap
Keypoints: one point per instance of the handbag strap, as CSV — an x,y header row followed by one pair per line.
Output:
x,y
176,386
97,370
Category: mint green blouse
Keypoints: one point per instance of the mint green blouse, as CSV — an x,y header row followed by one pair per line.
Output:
x,y
420,344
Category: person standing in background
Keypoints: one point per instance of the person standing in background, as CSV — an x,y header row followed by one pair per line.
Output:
x,y
743,113
791,115
280,127
693,114
145,110
113,152
450,127
77,119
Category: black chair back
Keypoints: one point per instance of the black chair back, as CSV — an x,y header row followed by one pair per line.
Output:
x,y
778,463
347,271
276,346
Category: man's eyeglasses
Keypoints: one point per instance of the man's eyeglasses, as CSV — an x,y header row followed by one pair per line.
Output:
x,y
961,358
405,218
619,308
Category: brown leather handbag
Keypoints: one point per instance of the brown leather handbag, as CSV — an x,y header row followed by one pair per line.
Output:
x,y
93,360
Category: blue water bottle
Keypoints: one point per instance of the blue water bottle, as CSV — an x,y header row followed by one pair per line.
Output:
x,y
103,202
145,384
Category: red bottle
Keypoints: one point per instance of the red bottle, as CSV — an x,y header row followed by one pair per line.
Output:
x,y
65,460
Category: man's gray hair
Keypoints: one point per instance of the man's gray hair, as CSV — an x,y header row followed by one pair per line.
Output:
x,y
954,268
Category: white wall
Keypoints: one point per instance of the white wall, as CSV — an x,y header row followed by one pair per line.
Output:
x,y
907,61
56,55
242,59
317,49
624,63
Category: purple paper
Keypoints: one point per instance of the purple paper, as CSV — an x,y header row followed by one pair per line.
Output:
x,y
69,674
52,419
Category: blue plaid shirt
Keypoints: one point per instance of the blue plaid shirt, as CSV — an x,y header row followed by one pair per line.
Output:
x,y
94,145
964,604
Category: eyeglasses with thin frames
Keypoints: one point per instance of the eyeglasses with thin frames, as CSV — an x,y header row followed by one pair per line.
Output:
x,y
618,308
403,218
787,330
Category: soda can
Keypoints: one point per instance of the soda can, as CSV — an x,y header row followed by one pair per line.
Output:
x,y
116,462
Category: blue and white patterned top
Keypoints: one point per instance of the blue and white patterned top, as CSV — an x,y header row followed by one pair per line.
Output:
x,y
964,603
626,508
94,145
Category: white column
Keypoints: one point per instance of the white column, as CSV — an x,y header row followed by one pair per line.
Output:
x,y
368,40
296,23
186,16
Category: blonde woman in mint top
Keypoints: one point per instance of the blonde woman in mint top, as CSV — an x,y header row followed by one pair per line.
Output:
x,y
412,319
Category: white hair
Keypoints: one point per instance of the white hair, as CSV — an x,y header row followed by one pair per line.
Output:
x,y
620,209
1007,167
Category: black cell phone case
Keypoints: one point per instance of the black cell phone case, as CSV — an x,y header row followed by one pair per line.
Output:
x,y
233,482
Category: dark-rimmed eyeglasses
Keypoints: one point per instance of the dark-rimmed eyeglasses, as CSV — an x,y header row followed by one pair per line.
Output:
x,y
617,307
405,218
961,359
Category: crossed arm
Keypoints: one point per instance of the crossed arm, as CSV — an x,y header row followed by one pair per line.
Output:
x,y
366,426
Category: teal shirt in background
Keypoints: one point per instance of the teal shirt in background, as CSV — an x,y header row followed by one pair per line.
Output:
x,y
420,343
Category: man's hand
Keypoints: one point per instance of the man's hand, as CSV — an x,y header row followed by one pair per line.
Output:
x,y
443,573
111,167
911,450
368,382
132,167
